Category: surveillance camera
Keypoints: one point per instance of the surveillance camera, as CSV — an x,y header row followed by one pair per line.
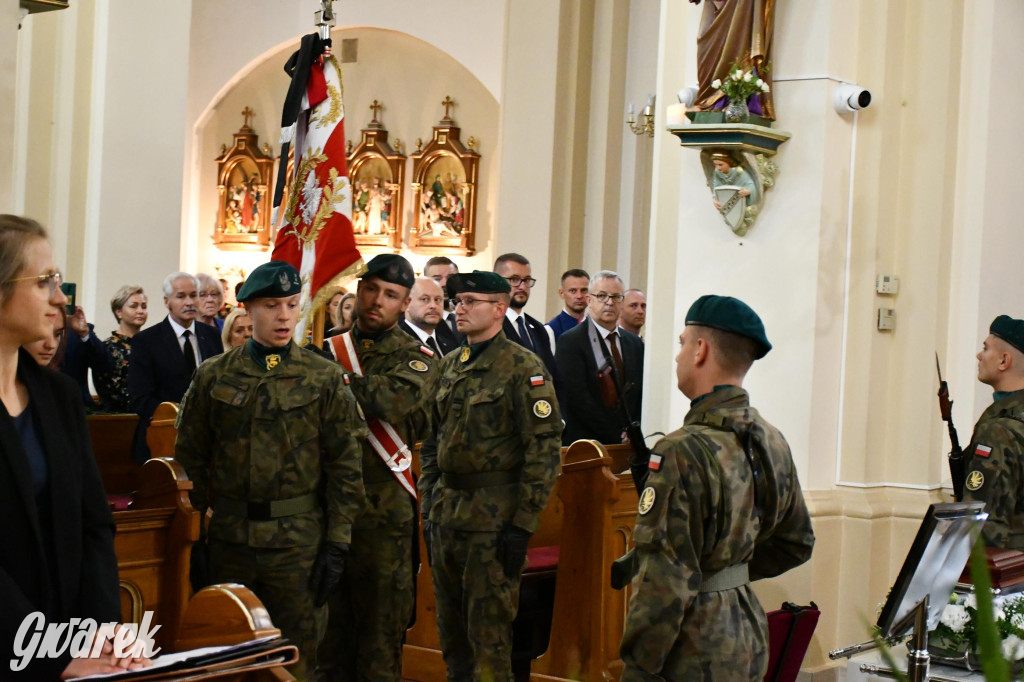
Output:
x,y
687,96
848,98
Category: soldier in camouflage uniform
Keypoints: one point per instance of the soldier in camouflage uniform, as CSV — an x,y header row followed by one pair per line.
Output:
x,y
704,528
268,434
371,610
488,470
996,467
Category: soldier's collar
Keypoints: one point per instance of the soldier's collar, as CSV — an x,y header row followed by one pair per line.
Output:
x,y
701,398
366,340
471,352
266,357
999,395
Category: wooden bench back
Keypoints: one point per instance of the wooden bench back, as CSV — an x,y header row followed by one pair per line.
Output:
x,y
111,436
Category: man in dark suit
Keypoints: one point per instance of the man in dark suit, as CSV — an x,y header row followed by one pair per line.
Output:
x,y
519,327
596,343
423,319
439,269
165,355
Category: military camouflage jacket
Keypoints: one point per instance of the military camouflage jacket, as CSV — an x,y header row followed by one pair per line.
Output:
x,y
398,374
996,471
497,413
259,436
697,516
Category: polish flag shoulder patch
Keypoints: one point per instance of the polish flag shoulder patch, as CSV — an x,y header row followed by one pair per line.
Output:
x,y
983,450
537,380
655,463
426,351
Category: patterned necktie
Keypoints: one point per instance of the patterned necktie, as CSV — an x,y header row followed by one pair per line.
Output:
x,y
190,353
616,356
433,346
523,334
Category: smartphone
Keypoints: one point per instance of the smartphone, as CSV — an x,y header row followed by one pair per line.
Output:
x,y
69,289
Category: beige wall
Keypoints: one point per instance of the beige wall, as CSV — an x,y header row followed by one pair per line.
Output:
x,y
8,65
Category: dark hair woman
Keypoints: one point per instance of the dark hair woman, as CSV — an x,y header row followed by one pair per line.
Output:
x,y
57,531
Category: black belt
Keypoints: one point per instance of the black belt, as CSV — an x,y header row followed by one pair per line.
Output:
x,y
484,479
267,511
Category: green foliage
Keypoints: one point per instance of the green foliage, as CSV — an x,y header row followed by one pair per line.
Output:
x,y
993,664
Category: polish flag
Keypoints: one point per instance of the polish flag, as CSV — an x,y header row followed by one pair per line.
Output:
x,y
316,236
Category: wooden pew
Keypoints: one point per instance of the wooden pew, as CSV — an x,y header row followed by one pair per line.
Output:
x,y
161,433
153,545
599,509
111,436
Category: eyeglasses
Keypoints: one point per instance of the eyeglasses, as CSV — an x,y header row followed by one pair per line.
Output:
x,y
516,280
52,279
468,303
208,294
604,298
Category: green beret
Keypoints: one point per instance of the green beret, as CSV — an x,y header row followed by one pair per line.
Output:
x,y
730,315
478,282
275,279
391,268
1009,330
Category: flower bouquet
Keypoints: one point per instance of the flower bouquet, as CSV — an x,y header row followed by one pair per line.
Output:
x,y
955,640
738,86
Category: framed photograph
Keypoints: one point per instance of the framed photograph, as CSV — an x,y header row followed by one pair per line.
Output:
x,y
244,173
444,184
377,174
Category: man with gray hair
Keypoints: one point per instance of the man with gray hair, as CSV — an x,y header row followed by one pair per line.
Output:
x,y
165,355
602,368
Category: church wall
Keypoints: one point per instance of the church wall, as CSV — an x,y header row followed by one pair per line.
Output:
x,y
8,65
909,187
409,77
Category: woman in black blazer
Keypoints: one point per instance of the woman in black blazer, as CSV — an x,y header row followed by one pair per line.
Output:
x,y
57,533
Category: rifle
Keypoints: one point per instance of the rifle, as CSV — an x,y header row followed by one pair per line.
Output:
x,y
957,460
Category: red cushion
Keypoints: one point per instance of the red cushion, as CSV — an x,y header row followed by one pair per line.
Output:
x,y
541,559
119,502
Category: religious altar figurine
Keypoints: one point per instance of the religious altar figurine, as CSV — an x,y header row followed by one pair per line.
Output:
x,y
729,172
734,31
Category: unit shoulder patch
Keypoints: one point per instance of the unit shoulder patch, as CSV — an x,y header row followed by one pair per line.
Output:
x,y
418,365
646,501
975,480
542,409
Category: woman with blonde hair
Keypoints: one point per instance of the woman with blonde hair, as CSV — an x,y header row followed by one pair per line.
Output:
x,y
131,310
237,328
58,533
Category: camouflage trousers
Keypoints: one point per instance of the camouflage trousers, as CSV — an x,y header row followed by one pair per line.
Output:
x,y
476,604
280,578
371,609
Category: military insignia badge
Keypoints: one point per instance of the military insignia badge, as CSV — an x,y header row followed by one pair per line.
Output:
x,y
983,450
542,408
367,344
273,360
465,354
418,365
975,480
646,501
286,283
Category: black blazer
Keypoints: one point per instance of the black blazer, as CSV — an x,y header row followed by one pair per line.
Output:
x,y
583,410
157,373
541,344
445,339
78,551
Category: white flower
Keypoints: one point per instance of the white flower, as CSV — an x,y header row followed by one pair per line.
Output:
x,y
747,77
1013,648
759,82
998,614
970,601
764,87
735,75
955,617
717,83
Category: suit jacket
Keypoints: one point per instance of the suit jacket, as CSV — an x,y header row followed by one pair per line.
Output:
x,y
157,372
541,344
442,334
75,549
81,356
459,337
584,412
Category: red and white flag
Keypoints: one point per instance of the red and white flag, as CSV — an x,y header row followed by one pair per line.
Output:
x,y
316,236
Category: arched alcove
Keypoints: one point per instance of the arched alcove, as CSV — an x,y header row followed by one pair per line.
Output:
x,y
409,76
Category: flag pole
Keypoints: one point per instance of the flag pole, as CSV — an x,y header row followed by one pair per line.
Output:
x,y
324,20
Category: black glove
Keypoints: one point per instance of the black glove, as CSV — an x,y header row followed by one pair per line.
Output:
x,y
512,544
327,570
427,527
